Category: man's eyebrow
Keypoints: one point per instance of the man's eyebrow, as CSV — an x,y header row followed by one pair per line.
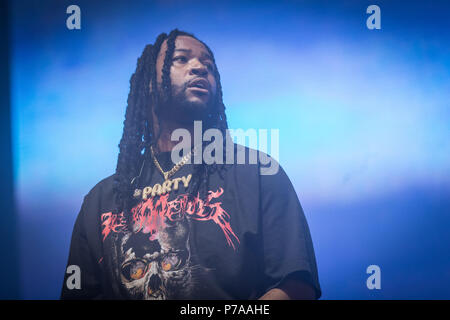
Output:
x,y
204,55
181,49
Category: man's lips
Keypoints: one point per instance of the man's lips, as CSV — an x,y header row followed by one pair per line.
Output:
x,y
199,89
200,85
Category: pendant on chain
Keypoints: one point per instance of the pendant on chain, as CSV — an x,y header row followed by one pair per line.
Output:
x,y
158,189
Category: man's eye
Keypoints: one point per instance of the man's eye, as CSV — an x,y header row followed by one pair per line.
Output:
x,y
180,59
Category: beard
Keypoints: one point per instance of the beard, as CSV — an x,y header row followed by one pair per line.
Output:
x,y
180,109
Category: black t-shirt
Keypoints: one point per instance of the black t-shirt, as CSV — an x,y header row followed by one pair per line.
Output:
x,y
243,239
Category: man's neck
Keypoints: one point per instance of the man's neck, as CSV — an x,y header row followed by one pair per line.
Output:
x,y
167,127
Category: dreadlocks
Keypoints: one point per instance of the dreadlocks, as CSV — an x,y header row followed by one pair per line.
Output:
x,y
138,132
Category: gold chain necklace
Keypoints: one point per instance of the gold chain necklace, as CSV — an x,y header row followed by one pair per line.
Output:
x,y
171,172
168,185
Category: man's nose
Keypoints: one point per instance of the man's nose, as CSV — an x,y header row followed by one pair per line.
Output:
x,y
198,68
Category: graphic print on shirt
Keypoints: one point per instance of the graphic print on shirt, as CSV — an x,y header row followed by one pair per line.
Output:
x,y
154,260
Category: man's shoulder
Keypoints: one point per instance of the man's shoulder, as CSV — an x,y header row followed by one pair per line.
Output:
x,y
271,173
254,168
103,189
252,156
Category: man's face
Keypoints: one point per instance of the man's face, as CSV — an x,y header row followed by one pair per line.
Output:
x,y
192,77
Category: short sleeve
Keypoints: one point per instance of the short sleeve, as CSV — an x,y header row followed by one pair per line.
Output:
x,y
287,244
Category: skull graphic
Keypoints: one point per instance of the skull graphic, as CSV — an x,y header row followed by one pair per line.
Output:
x,y
157,266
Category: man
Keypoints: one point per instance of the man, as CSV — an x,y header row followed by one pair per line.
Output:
x,y
163,230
